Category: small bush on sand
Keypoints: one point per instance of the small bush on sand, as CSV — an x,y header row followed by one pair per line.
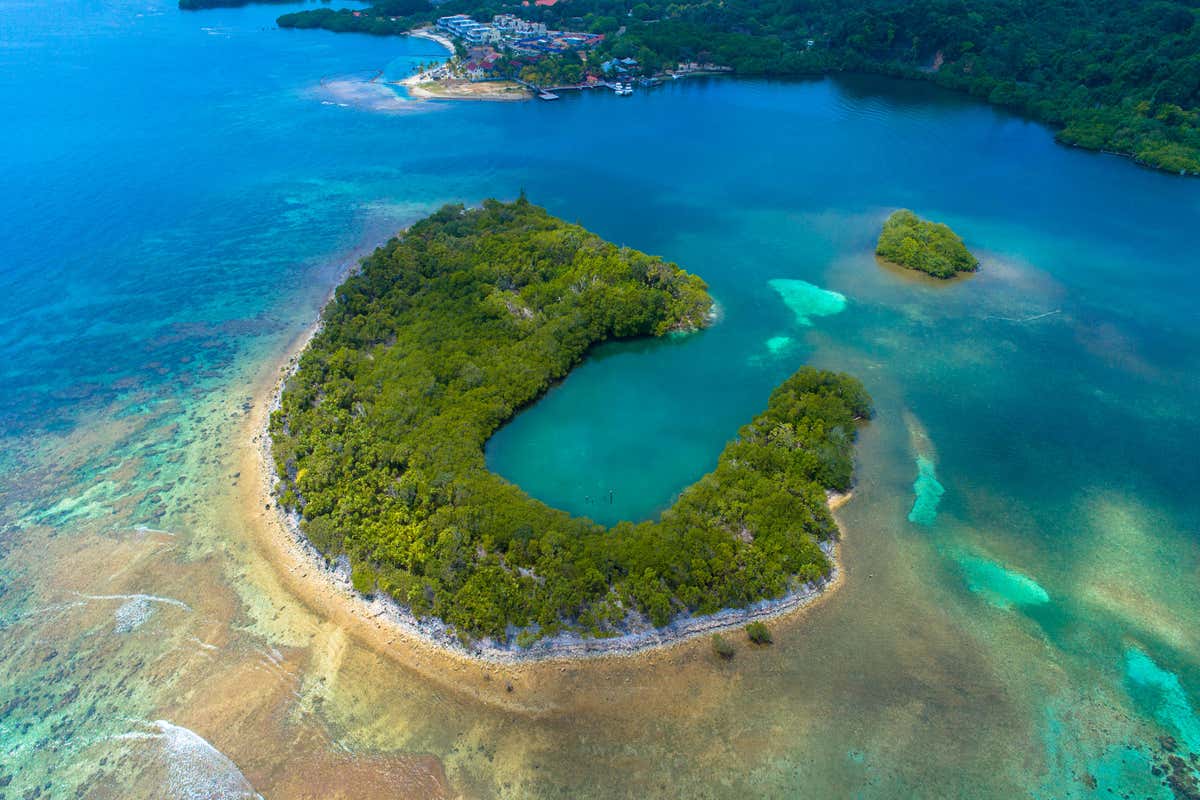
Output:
x,y
722,646
758,633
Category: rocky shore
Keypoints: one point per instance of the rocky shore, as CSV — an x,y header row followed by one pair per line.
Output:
x,y
638,636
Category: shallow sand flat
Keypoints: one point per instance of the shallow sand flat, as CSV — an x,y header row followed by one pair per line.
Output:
x,y
364,94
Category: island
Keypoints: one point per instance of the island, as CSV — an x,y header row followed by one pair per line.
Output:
x,y
929,247
1118,78
448,331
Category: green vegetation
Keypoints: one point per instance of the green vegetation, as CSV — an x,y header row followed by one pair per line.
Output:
x,y
443,336
564,70
759,633
388,17
722,647
930,247
1113,75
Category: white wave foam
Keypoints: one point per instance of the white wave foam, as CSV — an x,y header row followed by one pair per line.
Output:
x,y
148,529
195,769
136,609
149,598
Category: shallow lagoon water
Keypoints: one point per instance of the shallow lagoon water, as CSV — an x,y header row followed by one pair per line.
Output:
x,y
170,229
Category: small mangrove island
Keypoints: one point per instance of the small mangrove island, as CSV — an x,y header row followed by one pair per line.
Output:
x,y
929,247
449,330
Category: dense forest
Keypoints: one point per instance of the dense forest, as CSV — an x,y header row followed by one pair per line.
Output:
x,y
386,17
447,332
928,247
1115,75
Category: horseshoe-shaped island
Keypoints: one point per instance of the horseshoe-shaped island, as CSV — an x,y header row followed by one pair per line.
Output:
x,y
445,333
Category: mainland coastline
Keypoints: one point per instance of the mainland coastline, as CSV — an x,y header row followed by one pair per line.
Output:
x,y
291,552
985,53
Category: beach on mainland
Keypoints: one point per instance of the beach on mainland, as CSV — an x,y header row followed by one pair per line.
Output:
x,y
423,86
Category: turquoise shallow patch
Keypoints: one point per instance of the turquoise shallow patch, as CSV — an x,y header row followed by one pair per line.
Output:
x,y
777,344
1003,588
928,491
1172,708
806,300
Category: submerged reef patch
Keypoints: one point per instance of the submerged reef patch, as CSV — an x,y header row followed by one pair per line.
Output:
x,y
928,491
806,300
1172,708
1000,586
778,344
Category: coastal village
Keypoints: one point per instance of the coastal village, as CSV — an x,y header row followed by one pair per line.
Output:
x,y
514,58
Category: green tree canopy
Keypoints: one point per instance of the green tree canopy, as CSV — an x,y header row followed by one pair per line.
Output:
x,y
929,247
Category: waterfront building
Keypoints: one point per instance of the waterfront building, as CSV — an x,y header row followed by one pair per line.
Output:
x,y
514,26
469,30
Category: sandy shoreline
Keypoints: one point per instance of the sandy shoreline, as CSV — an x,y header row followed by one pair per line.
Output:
x,y
432,35
329,588
484,91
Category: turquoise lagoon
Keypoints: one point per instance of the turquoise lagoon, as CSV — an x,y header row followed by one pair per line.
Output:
x,y
183,190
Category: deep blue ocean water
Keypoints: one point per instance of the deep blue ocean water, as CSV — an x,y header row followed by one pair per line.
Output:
x,y
180,192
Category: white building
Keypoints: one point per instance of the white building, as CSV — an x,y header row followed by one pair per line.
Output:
x,y
469,30
454,23
514,26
